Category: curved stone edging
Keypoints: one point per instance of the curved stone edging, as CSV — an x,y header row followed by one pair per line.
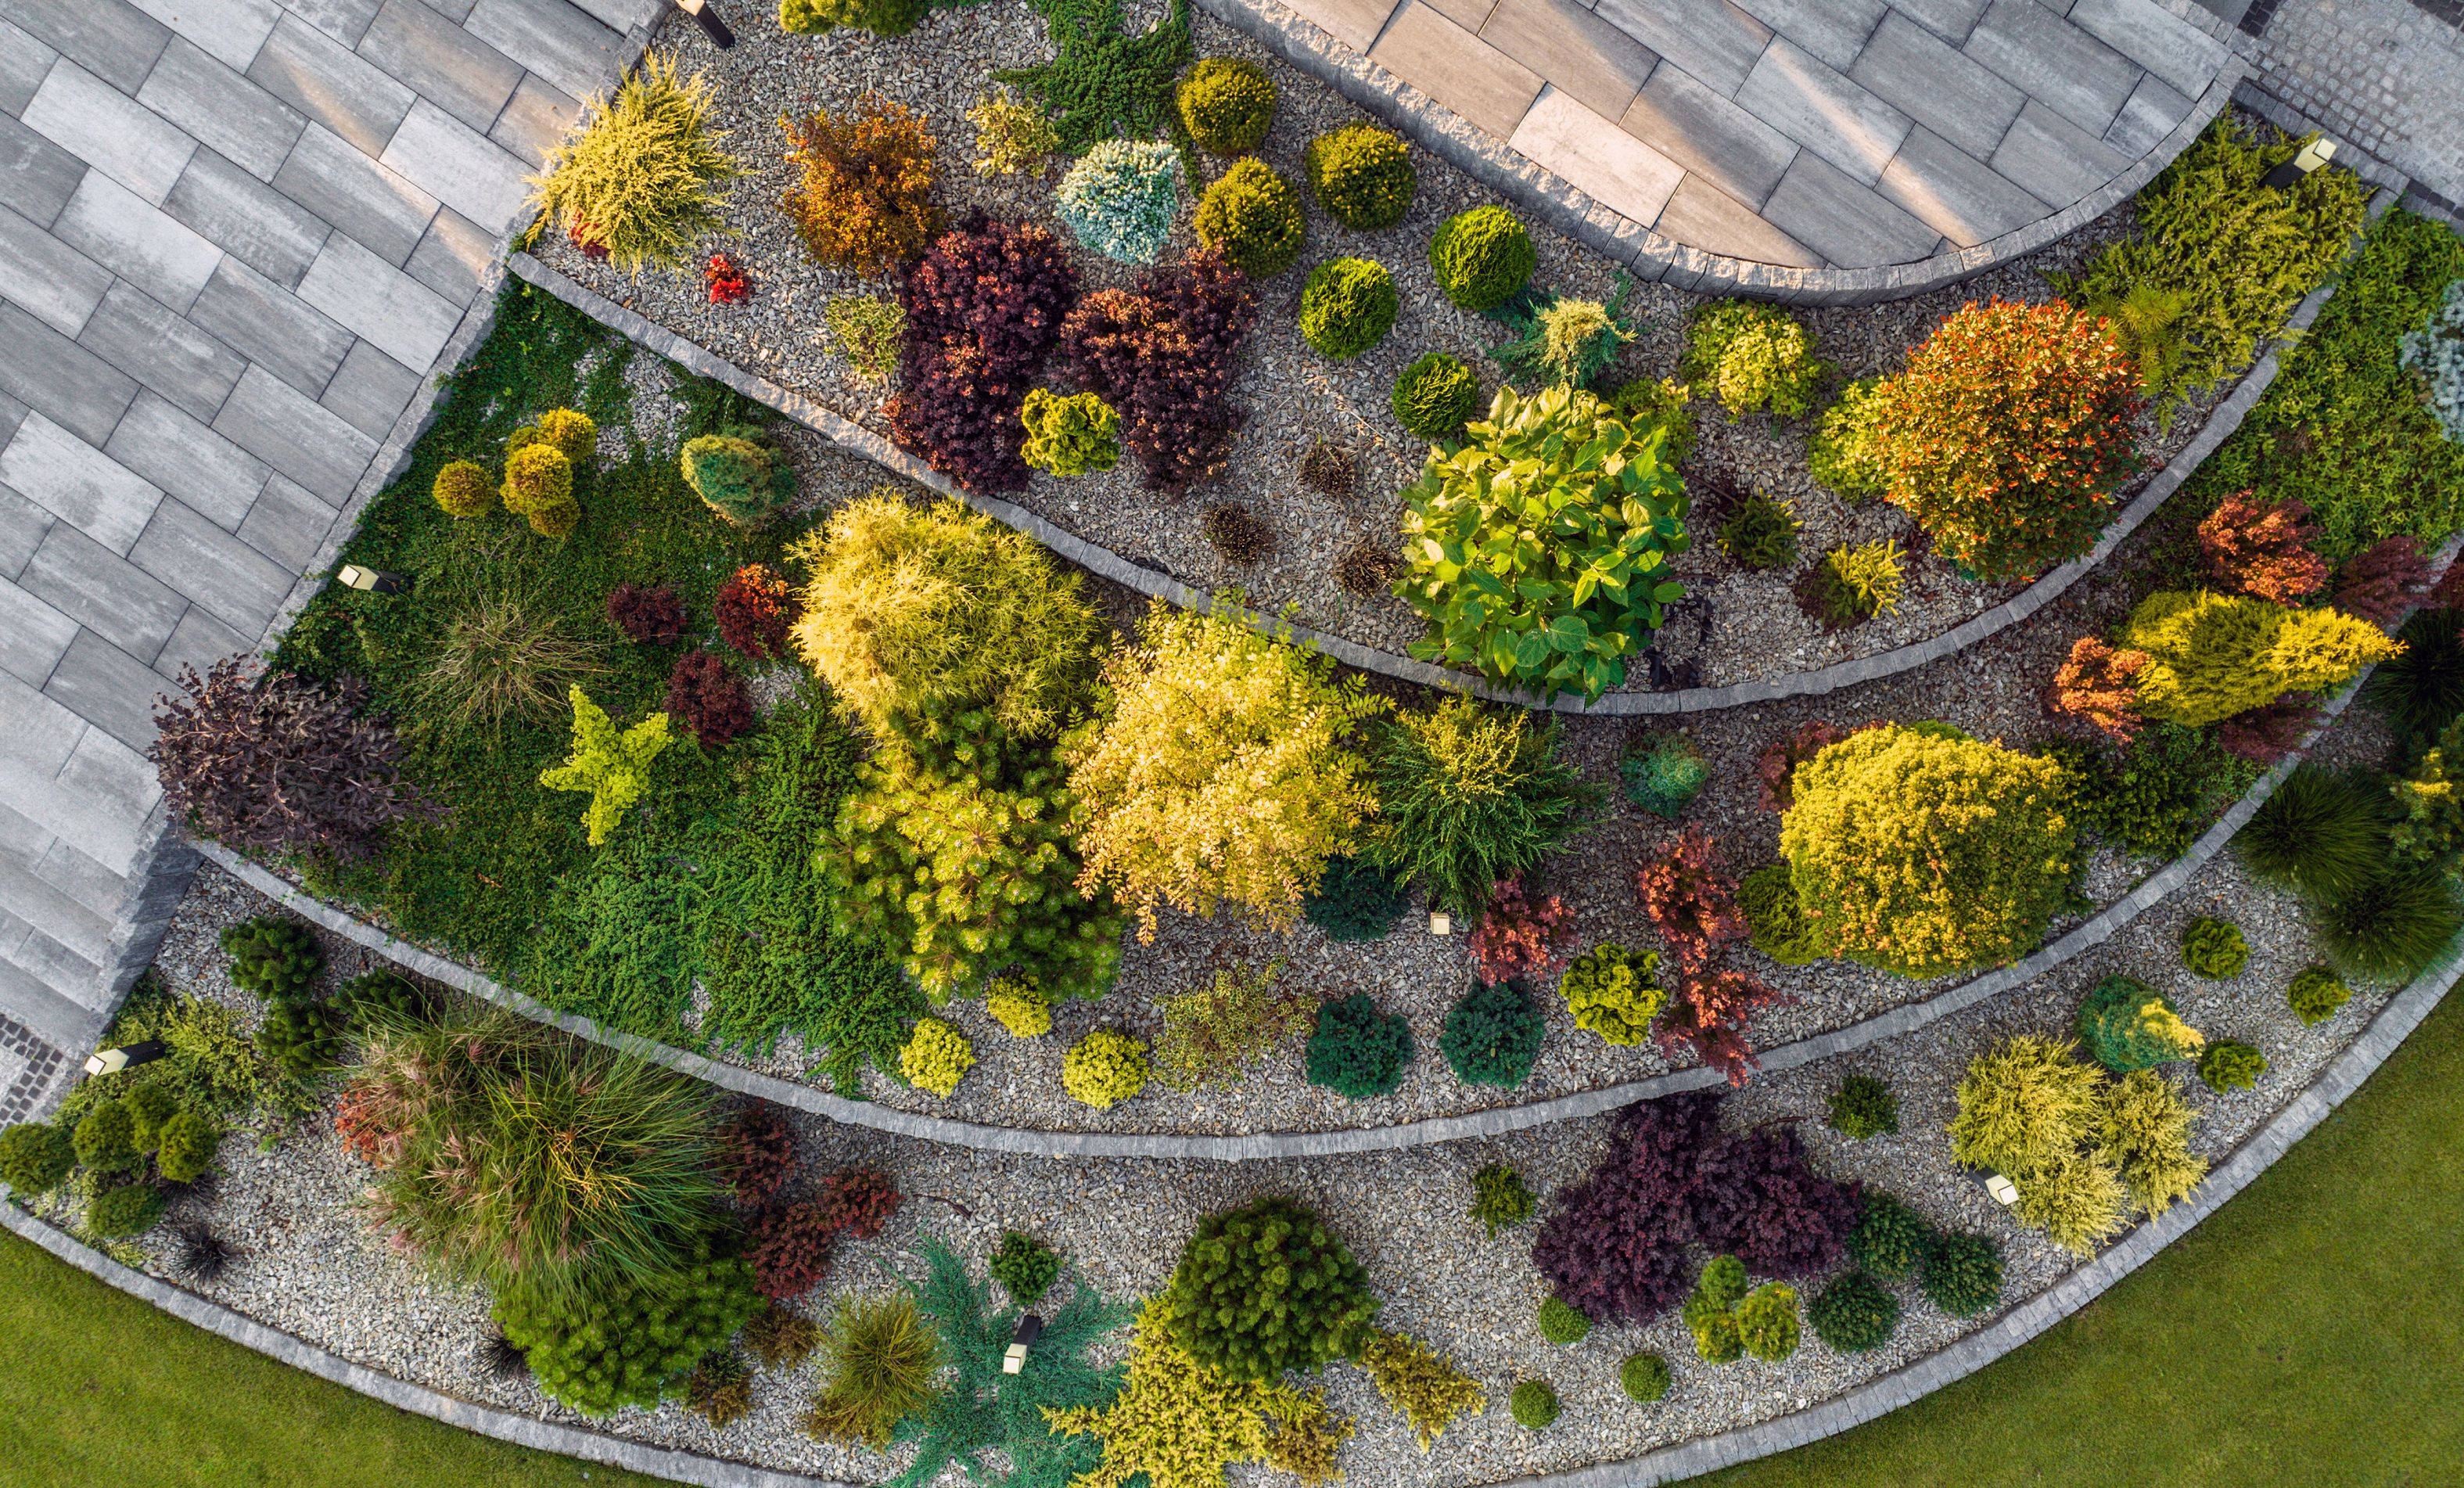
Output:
x,y
1497,165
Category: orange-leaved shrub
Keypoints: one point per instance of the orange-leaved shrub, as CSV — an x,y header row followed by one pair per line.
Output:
x,y
863,202
2263,548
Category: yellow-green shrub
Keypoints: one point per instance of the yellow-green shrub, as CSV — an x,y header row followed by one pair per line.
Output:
x,y
2144,1131
1020,1006
614,767
935,1056
1611,991
2076,1199
539,489
1070,435
640,177
2211,656
2024,1104
1178,1422
572,432
1104,1069
1426,1391
464,489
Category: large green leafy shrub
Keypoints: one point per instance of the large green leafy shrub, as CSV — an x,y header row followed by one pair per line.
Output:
x,y
125,1211
1253,217
1467,796
740,475
1347,306
2211,656
1358,1052
629,1340
1226,104
1362,175
1266,1288
643,177
1540,549
2156,797
1482,257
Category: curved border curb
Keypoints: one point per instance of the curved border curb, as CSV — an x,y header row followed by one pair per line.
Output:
x,y
1502,168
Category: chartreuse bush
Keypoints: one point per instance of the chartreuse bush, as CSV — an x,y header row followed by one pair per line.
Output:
x,y
1347,306
1226,104
738,474
880,17
35,1157
2229,1065
2214,948
2211,656
1070,435
1766,1322
2128,1025
1019,1005
1483,257
1425,1388
1753,356
1436,398
1710,1312
1612,992
1562,1325
1253,216
1645,1378
1499,1199
643,177
1178,1422
937,1057
463,489
1535,1405
2316,994
1774,918
1266,1288
613,768
1104,1068
1362,175
1562,608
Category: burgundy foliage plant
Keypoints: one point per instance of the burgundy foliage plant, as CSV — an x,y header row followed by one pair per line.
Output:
x,y
984,305
1756,1198
2382,580
756,1154
2266,735
789,1249
859,1200
1613,1245
1690,899
707,699
2263,548
1520,935
754,608
1164,357
1775,767
651,617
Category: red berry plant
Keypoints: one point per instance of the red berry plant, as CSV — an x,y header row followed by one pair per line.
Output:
x,y
1520,935
708,698
2263,548
984,307
754,608
1690,899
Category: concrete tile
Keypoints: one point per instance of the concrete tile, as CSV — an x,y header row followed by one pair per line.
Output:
x,y
1701,216
200,640
250,126
370,390
77,483
231,31
102,592
99,124
1797,94
22,526
1710,136
455,11
109,38
536,121
288,523
1954,194
2147,117
56,283
79,914
54,964
1835,31
372,204
247,218
272,328
77,875
2053,63
118,780
319,77
234,582
33,635
1489,89
1950,20
1841,220
118,228
189,460
553,40
1593,156
622,15
441,62
1711,39
44,369
36,177
1600,66
24,59
11,414
270,419
454,257
2054,159
42,737
1937,85
408,321
347,21
136,334
108,688
2186,58
459,166
1470,14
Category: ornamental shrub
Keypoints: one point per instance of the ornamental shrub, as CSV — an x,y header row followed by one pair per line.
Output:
x,y
2214,948
2167,785
2316,994
1863,1108
1434,397
1070,435
2024,1104
2383,580
1119,199
1891,1240
301,1036
1218,770
612,768
740,475
1766,1322
2128,1025
633,1340
1845,453
1104,1069
866,329
1177,1422
1533,1404
2077,1199
1362,175
779,1339
1019,1005
789,1249
707,699
883,1358
858,1200
756,1154
1347,306
641,178
1354,901
463,489
1562,1325
2434,354
1609,513
35,1157
150,1105
1469,796
1235,533
1775,767
126,1211
1645,1378
1614,1243
1963,1275
272,956
1425,1388
2211,656
539,489
1492,1036
1213,1033
753,610
1752,356
1712,1311
1520,935
1226,103
880,17
1011,139
647,616
1854,1315
1924,853
935,1056
1852,585
1760,531
2101,685
1757,1197
2229,1065
1483,257
1774,920
1163,356
1559,340
2145,1132
1499,1200
2429,825
984,306
2006,437
1253,218
862,199
1356,1051
2422,690
1612,992
1266,1288
1664,772
1025,1267
2263,548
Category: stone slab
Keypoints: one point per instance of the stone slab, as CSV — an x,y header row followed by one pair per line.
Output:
x,y
459,167
1835,31
370,389
1600,66
231,31
454,257
36,176
33,635
535,120
1937,85
1593,156
137,241
200,640
22,526
109,130
1710,136
1715,42
138,335
1796,93
225,576
1489,89
44,369
272,328
2053,157
53,282
1701,215
321,78
250,126
102,592
353,191
110,689
347,21
272,420
189,460
77,483
1355,23
247,218
1842,219
575,54
110,38
440,62
1955,193
288,523
2053,63
2148,115
24,59
407,319
2169,47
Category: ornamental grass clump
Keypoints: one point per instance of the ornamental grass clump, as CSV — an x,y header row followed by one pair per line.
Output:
x,y
1753,356
1562,607
863,201
1469,796
1362,175
1119,199
1612,991
1760,531
1356,1051
1070,435
1853,585
1266,1288
880,1362
1226,104
1434,397
642,179
1482,257
2390,926
1253,218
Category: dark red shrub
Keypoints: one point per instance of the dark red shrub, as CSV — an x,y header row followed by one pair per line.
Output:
x,y
1614,1244
1164,357
1756,1198
653,617
1775,767
984,307
1690,899
1519,936
859,1200
756,1154
707,699
2101,684
2382,580
2263,548
753,610
2266,735
789,1249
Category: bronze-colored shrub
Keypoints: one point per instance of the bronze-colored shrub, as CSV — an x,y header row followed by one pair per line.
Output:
x,y
865,199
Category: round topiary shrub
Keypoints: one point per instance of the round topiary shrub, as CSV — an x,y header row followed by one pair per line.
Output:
x,y
2228,1066
124,1212
2127,1025
1562,1325
738,475
1891,1240
150,1105
1963,1275
1266,1288
2214,948
273,957
1645,1378
935,1056
1226,104
1358,1052
1775,918
1612,992
1070,435
1863,1107
2316,994
1499,1198
1253,216
1492,1036
571,432
1347,306
1766,1322
107,1139
1104,1068
1355,901
1119,199
186,1146
539,489
1853,1314
1362,175
1664,772
1535,1405
631,1341
464,489
1435,396
1483,257
301,1036
1020,1006
35,1157
1024,1266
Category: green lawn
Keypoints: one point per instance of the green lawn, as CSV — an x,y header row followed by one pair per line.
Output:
x,y
2307,1336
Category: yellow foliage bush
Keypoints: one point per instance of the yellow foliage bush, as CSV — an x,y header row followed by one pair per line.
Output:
x,y
935,1056
1020,1006
2211,656
1104,1068
1181,1423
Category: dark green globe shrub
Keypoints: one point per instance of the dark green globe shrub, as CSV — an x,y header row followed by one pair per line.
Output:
x,y
1228,104
301,1036
1362,175
1963,1275
1645,1378
2214,948
1355,901
1358,1052
1266,1288
383,997
1492,1036
1347,306
1853,1314
2228,1065
1535,1405
1863,1107
272,956
1435,396
628,1341
1483,257
35,1157
186,1146
124,1212
1025,1267
1664,772
107,1139
1891,1240
1254,216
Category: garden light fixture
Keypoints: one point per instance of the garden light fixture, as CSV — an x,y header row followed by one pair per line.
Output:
x,y
375,581
706,14
111,1061
1441,922
2310,158
2004,1191
1030,1327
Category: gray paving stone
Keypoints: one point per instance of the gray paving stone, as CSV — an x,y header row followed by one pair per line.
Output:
x,y
117,779
1835,31
2186,58
1593,155
1355,23
1710,135
249,126
111,39
58,285
189,460
22,526
1470,14
33,635
408,321
1940,87
1843,220
102,592
270,419
231,31
107,687
136,334
1711,39
200,640
247,218
535,120
459,166
46,370
349,189
455,11
24,59
623,16
441,62
347,21
77,483
553,40
41,738
319,77
82,921
2053,63
94,120
1797,94
232,581
1600,66
2147,117
54,964
288,523
1950,20
453,258
272,328
1955,193
2053,157
120,230
370,389
1703,216
1489,89
36,177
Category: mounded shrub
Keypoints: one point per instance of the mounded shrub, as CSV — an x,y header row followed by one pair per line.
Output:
x,y
707,699
738,474
1863,1107
1752,356
126,1211
1612,991
1362,175
2025,1104
2316,994
2229,1065
1347,306
1019,1005
1120,198
383,999
1853,1314
272,956
1483,257
862,200
1356,1051
1963,1275
1891,1240
789,1249
1435,396
1774,918
935,1056
1492,1036
1664,772
2128,1025
301,1036
1266,1288
1760,531
2214,948
1025,1267
1614,1243
2211,656
1533,1404
2321,834
1163,356
35,1157
1766,1322
539,489
642,180
1253,217
1355,901
880,17
1562,1325
1070,435
1757,1197
647,616
635,1339
984,308
1468,797
107,1139
149,1105
1226,103
1645,1378
2389,928
463,488
754,608
756,1154
1104,1068
1499,1200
